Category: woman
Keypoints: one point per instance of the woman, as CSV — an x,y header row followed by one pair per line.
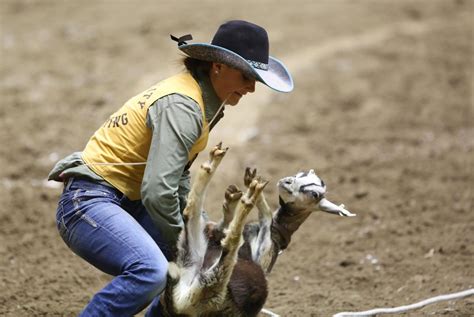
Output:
x,y
121,205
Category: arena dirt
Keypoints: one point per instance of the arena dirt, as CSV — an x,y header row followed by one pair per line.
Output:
x,y
382,110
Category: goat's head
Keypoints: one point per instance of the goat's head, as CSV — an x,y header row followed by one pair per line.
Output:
x,y
306,190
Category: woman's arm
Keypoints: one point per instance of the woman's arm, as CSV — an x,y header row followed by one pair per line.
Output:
x,y
176,122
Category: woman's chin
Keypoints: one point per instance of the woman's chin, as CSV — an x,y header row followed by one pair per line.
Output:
x,y
234,100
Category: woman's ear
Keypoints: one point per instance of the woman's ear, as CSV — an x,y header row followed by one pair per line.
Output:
x,y
216,68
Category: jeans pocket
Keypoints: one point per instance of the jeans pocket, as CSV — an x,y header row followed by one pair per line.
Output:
x,y
89,220
73,207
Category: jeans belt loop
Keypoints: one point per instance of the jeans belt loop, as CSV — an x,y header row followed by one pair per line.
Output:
x,y
68,183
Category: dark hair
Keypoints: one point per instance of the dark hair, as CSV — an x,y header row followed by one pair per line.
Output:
x,y
194,65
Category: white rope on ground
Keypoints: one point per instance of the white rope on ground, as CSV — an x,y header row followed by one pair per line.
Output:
x,y
405,308
269,313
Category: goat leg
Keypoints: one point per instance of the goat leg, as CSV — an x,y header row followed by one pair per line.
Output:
x,y
232,197
264,212
217,279
262,245
192,244
203,177
192,212
233,238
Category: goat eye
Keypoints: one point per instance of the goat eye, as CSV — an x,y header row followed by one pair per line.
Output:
x,y
315,195
288,181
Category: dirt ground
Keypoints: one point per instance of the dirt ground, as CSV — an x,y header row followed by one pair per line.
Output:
x,y
382,110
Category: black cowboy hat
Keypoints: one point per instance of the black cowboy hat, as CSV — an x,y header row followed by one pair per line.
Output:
x,y
244,46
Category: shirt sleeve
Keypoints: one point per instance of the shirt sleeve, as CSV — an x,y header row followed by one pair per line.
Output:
x,y
176,124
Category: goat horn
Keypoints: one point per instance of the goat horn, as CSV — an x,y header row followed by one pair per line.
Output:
x,y
327,206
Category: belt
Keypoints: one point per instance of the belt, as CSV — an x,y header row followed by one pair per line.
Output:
x,y
85,183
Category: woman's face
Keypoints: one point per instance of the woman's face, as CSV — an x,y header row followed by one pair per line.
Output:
x,y
230,84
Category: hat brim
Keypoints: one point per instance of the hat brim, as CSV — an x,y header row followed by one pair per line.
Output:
x,y
276,77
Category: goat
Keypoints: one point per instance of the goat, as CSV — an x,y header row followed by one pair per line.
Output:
x,y
220,267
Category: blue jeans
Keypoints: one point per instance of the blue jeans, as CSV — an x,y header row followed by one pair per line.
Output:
x,y
118,237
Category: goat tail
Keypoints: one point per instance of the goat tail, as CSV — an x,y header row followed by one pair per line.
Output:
x,y
167,298
174,273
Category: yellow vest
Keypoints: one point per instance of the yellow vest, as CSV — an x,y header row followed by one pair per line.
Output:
x,y
125,137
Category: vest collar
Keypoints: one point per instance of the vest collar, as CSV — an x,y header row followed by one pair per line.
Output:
x,y
209,96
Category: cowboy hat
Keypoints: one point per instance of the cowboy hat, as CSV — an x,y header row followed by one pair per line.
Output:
x,y
244,46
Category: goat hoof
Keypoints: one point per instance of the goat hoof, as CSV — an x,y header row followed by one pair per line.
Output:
x,y
258,184
233,193
218,151
261,184
249,176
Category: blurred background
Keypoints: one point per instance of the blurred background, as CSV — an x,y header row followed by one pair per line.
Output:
x,y
382,110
